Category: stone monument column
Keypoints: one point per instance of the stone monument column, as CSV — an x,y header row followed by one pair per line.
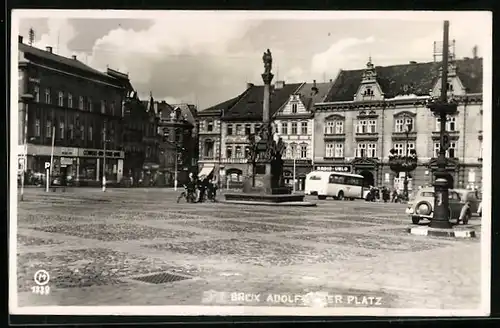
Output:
x,y
267,77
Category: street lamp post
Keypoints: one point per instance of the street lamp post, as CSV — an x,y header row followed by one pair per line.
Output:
x,y
441,108
294,154
104,162
408,128
26,99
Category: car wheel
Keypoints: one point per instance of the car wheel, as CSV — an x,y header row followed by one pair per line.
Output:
x,y
415,219
340,195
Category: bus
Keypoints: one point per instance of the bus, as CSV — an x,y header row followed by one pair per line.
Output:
x,y
334,184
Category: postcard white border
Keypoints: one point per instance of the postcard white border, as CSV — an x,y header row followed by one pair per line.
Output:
x,y
465,16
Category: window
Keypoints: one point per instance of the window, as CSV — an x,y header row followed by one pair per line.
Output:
x,y
372,150
229,129
148,152
47,96
80,102
303,151
61,130
89,102
37,127
70,100
361,150
91,133
82,132
361,126
113,108
293,150
71,131
248,129
452,151
399,148
339,150
339,127
330,150
284,128
48,129
402,124
411,146
229,152
368,92
239,154
294,108
36,93
238,129
60,99
202,126
481,150
294,127
303,128
103,106
451,124
436,149
372,126
210,126
330,127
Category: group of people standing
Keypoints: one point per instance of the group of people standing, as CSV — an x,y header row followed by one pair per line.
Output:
x,y
200,189
375,194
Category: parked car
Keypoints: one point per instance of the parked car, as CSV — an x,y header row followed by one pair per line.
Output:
x,y
480,209
471,197
421,206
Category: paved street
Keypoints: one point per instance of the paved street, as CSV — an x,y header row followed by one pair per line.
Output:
x,y
93,244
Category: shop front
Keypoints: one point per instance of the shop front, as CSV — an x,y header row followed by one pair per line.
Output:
x,y
302,168
80,166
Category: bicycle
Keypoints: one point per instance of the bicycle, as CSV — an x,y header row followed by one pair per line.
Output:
x,y
188,195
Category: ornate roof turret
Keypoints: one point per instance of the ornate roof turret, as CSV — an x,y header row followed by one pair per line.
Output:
x,y
369,74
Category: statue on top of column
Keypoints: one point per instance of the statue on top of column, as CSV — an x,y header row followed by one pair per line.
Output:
x,y
267,58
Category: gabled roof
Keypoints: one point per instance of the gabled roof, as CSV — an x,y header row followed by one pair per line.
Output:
x,y
74,63
186,111
309,96
419,77
249,106
217,109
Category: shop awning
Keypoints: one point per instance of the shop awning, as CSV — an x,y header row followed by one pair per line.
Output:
x,y
206,170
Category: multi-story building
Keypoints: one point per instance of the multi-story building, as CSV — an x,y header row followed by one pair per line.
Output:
x,y
209,132
294,122
368,111
224,143
179,147
74,107
140,140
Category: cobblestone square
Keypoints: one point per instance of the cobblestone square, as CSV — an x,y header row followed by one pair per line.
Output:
x,y
92,253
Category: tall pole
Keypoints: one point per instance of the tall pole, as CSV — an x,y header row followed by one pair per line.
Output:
x,y
267,77
442,108
405,182
294,175
104,161
52,150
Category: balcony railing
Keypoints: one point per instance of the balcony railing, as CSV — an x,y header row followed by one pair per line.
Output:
x,y
234,160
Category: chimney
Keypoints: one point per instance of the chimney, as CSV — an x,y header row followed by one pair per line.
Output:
x,y
20,39
474,52
249,85
49,49
413,62
74,57
279,84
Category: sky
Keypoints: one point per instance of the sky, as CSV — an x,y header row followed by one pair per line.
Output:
x,y
206,58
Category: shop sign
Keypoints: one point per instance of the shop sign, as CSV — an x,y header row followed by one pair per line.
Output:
x,y
68,152
66,161
340,168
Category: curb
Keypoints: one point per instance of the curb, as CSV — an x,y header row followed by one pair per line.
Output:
x,y
426,231
283,204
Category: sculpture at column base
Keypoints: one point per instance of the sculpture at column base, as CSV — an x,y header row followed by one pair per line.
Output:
x,y
264,184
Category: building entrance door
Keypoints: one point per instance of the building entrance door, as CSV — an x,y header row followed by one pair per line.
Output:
x,y
368,178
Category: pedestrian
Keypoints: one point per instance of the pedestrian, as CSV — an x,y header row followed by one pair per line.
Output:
x,y
394,196
202,187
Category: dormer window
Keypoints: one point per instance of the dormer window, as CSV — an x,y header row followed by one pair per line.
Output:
x,y
294,108
368,92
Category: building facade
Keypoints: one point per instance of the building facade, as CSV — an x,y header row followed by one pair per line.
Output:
x,y
78,110
294,123
224,131
371,111
179,146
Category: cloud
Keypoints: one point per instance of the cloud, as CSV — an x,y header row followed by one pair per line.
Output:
x,y
172,58
338,56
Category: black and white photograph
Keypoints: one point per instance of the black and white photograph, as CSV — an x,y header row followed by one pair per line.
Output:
x,y
250,163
